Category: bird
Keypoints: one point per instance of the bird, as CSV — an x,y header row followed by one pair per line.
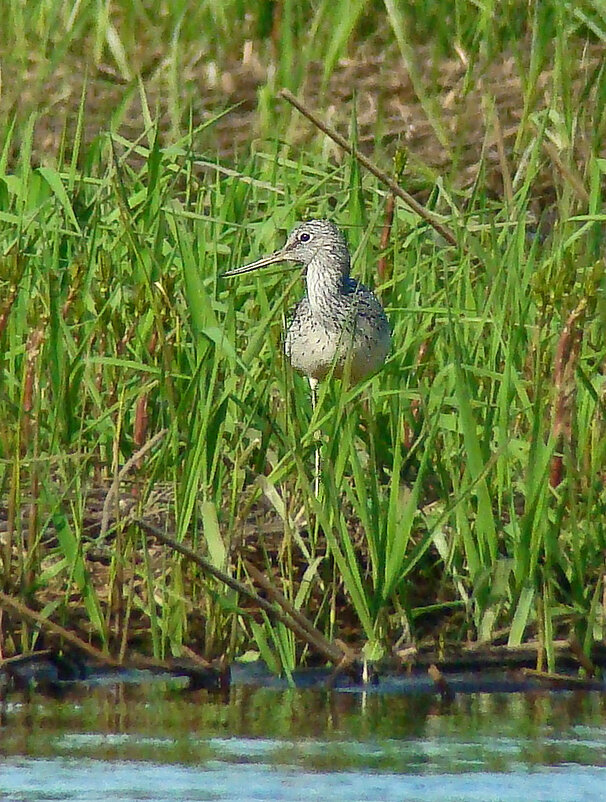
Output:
x,y
339,327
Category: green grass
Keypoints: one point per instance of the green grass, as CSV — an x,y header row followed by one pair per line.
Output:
x,y
438,513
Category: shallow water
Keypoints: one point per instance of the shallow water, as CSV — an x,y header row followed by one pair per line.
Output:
x,y
159,742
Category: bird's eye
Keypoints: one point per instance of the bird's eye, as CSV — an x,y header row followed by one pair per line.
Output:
x,y
304,236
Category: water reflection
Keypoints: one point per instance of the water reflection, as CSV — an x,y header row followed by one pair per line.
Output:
x,y
302,740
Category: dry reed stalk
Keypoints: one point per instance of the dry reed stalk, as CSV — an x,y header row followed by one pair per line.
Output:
x,y
8,305
383,264
397,190
308,633
313,636
565,364
32,352
141,407
8,603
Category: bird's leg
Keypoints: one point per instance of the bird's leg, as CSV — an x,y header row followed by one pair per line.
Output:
x,y
313,385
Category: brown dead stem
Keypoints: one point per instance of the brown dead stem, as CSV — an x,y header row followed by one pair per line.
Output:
x,y
307,633
430,218
565,364
32,352
383,265
9,603
8,305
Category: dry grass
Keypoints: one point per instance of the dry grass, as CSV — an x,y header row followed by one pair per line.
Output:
x,y
390,115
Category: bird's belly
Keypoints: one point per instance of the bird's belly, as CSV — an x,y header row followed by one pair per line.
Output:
x,y
314,351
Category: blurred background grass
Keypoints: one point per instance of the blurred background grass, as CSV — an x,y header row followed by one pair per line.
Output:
x,y
143,153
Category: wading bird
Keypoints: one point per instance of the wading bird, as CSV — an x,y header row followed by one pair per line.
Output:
x,y
339,325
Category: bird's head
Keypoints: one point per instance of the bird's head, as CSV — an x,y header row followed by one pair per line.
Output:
x,y
316,241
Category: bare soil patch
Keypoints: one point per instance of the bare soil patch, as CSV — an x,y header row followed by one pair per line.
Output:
x,y
390,113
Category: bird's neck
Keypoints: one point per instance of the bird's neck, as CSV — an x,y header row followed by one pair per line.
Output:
x,y
325,282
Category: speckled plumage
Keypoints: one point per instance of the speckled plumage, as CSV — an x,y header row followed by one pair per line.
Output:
x,y
338,319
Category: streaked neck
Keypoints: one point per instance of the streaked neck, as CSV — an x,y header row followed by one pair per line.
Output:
x,y
324,284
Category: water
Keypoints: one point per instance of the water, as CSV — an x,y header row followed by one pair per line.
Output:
x,y
159,742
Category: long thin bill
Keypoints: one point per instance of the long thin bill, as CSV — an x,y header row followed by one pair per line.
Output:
x,y
272,259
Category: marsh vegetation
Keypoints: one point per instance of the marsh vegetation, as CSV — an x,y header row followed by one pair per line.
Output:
x,y
143,153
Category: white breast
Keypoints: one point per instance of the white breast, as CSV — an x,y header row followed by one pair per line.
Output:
x,y
313,350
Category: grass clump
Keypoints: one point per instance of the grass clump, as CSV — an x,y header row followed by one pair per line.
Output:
x,y
461,493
